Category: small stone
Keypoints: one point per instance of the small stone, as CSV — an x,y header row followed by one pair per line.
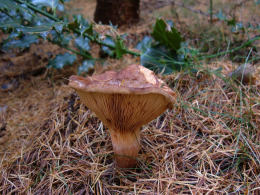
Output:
x,y
243,74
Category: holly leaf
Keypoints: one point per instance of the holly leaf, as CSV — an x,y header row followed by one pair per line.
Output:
x,y
166,35
144,44
87,29
21,43
60,39
82,43
62,60
87,66
108,40
58,27
80,23
10,24
48,3
8,4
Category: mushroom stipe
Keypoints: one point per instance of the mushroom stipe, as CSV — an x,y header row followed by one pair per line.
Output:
x,y
124,101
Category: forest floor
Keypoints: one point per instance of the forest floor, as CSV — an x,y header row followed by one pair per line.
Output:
x,y
209,142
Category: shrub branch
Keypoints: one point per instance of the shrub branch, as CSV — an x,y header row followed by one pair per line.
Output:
x,y
34,8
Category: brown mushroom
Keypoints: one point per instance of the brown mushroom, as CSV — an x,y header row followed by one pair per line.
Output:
x,y
124,101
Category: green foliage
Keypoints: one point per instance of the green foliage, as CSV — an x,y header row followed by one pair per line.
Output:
x,y
82,43
62,60
47,3
108,40
119,48
164,52
60,39
144,44
8,4
86,67
35,19
81,24
159,60
166,35
20,42
235,25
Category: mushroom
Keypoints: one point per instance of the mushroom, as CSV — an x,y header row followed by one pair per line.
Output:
x,y
124,101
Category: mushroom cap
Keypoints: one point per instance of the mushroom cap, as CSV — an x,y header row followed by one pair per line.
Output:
x,y
126,99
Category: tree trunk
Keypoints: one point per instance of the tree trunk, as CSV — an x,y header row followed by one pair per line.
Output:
x,y
117,12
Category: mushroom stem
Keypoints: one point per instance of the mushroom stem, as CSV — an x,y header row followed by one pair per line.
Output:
x,y
126,146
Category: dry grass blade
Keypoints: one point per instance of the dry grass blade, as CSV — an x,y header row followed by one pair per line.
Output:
x,y
195,148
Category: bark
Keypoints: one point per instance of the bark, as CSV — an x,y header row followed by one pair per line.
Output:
x,y
117,12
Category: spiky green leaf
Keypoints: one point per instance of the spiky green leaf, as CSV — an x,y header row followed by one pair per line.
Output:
x,y
108,40
166,35
86,66
144,44
62,60
21,43
48,3
82,43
